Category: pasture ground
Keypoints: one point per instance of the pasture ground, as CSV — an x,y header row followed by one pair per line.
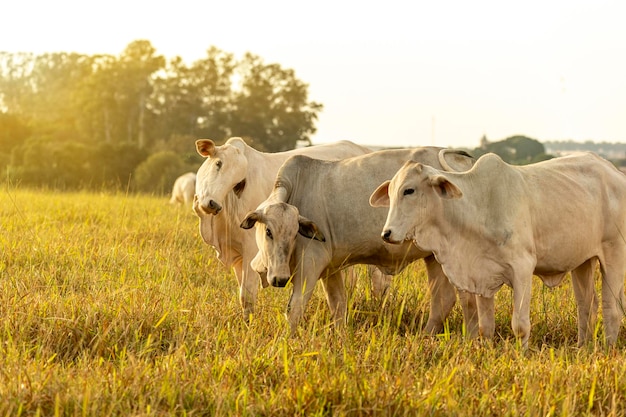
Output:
x,y
112,305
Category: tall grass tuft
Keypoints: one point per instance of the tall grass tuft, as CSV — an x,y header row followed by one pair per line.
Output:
x,y
111,304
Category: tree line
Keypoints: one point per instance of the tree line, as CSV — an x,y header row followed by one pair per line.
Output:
x,y
522,150
70,120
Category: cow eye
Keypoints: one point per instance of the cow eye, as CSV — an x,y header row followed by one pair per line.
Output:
x,y
218,164
268,233
409,191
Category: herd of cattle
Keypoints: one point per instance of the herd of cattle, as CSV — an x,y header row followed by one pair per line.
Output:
x,y
478,224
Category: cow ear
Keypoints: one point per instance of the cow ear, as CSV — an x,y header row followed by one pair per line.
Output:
x,y
380,197
443,187
309,229
258,265
250,220
205,147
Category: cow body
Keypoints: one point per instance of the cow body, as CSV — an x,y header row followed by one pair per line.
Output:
x,y
233,180
184,189
317,221
498,224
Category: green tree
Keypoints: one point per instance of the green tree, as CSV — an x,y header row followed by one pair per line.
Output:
x,y
158,172
526,149
519,150
137,65
13,131
184,146
98,97
271,106
195,100
15,70
42,90
40,161
114,98
72,120
112,164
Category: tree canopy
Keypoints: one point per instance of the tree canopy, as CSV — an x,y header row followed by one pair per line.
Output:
x,y
519,150
86,106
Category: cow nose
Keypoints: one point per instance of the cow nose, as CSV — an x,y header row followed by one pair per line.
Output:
x,y
279,282
386,235
215,207
212,208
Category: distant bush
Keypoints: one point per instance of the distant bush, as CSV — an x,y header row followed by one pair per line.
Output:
x,y
518,150
73,165
158,172
57,164
113,165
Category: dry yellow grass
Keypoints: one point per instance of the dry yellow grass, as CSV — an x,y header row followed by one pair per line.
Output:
x,y
112,305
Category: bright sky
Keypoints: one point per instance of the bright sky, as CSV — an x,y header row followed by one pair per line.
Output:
x,y
394,73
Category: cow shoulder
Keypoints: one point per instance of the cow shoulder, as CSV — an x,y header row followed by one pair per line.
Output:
x,y
294,169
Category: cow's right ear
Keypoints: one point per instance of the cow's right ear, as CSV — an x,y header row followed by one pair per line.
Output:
x,y
380,197
259,266
250,220
309,229
205,147
443,187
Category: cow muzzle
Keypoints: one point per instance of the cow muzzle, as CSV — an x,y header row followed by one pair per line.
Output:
x,y
213,207
279,281
279,275
387,237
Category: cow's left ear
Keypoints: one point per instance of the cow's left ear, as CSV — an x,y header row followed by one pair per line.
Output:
x,y
309,229
443,187
380,197
205,147
250,220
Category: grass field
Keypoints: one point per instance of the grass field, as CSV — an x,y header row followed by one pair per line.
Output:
x,y
113,305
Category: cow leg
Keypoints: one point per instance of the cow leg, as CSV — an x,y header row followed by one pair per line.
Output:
x,y
336,297
470,313
303,286
248,287
520,321
486,316
442,296
381,282
349,277
613,302
586,300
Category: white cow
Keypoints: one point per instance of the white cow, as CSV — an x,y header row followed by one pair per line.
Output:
x,y
317,221
184,188
233,180
498,224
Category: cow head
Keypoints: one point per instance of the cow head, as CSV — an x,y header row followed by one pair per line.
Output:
x,y
277,226
412,196
223,171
